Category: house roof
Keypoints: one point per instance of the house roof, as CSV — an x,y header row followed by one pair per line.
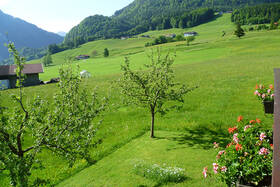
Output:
x,y
193,32
28,69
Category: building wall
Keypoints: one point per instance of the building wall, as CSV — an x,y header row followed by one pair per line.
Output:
x,y
11,78
30,80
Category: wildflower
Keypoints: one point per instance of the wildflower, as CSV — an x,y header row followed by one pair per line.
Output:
x,y
246,154
216,145
224,169
220,154
247,127
263,151
205,172
235,138
271,86
269,91
262,136
228,145
238,147
271,145
263,96
215,168
252,121
258,120
256,92
231,130
240,118
272,95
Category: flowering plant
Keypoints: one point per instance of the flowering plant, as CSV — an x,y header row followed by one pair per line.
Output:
x,y
264,93
247,159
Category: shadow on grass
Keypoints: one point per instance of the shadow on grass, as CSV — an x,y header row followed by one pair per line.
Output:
x,y
200,137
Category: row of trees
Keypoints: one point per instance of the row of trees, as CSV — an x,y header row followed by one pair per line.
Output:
x,y
67,125
259,14
164,39
101,27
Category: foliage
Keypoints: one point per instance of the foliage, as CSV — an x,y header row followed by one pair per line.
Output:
x,y
106,52
190,39
101,27
47,60
160,174
247,159
239,32
260,14
64,127
265,93
153,87
163,39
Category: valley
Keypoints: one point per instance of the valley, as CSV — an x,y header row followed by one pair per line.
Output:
x,y
225,69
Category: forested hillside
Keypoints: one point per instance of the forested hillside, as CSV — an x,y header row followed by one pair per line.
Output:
x,y
24,34
257,14
143,15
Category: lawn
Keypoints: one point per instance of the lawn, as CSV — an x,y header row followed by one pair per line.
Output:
x,y
190,150
226,69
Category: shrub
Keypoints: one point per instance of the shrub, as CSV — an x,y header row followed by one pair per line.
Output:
x,y
247,159
265,93
160,174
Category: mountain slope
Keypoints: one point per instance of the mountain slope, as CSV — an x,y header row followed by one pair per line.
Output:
x,y
143,15
23,34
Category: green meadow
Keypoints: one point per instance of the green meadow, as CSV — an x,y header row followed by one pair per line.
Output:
x,y
225,69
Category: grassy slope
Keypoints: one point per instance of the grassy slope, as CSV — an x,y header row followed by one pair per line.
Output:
x,y
226,69
117,168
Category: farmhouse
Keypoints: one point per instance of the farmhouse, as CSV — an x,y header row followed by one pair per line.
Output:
x,y
8,77
170,35
190,34
81,57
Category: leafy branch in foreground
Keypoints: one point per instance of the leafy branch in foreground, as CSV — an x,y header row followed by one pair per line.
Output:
x,y
64,126
154,87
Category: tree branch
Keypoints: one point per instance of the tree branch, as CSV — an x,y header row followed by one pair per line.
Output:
x,y
6,137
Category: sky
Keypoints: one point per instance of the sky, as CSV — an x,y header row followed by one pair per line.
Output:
x,y
59,15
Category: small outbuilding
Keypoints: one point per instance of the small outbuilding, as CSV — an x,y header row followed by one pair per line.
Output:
x,y
82,57
170,35
193,33
8,77
85,74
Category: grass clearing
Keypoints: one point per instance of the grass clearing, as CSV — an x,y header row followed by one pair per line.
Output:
x,y
170,148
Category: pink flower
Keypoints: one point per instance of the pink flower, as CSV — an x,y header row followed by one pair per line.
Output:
x,y
262,136
205,172
263,96
272,95
263,151
224,169
247,127
215,168
235,138
256,92
220,154
216,145
259,94
268,91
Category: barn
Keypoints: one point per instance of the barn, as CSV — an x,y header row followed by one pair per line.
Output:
x,y
8,77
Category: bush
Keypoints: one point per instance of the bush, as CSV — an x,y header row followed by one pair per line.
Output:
x,y
247,159
160,174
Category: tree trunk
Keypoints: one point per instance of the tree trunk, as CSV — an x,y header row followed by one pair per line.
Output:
x,y
152,122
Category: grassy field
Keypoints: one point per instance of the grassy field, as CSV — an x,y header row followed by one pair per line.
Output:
x,y
226,69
